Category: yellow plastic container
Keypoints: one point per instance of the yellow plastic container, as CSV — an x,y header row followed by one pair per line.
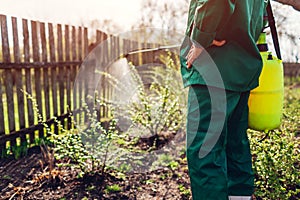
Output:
x,y
266,101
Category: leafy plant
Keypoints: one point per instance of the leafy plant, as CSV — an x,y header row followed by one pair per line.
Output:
x,y
113,188
166,160
19,150
184,191
149,104
87,146
159,110
276,154
68,145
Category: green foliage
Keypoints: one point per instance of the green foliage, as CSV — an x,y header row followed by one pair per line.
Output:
x,y
69,145
16,151
20,151
183,190
276,154
160,107
166,160
112,188
87,147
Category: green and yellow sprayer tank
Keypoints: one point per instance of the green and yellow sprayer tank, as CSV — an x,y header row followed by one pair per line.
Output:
x,y
266,101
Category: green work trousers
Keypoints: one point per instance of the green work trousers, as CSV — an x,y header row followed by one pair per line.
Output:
x,y
218,150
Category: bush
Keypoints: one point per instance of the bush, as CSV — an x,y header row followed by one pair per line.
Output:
x,y
87,146
159,108
276,154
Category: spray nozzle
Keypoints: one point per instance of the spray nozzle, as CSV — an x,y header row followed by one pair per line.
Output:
x,y
270,57
262,42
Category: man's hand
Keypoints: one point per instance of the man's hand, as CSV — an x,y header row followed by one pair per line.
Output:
x,y
196,51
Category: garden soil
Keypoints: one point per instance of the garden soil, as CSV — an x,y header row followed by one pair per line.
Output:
x,y
28,178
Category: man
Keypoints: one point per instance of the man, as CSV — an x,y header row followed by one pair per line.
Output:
x,y
218,150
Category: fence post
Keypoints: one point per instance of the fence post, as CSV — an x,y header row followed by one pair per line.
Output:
x,y
8,79
2,125
19,79
37,72
68,73
45,71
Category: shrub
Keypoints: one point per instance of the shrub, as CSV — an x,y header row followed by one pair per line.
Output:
x,y
87,146
276,154
160,108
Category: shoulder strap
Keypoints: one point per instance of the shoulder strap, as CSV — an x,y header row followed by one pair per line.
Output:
x,y
273,30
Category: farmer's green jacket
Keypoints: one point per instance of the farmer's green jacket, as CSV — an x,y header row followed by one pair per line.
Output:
x,y
240,23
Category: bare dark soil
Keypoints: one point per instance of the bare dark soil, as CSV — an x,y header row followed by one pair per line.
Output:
x,y
28,178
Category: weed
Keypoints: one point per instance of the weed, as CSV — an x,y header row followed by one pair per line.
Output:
x,y
183,190
112,188
19,151
91,187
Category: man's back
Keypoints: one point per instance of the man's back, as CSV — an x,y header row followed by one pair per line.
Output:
x,y
239,22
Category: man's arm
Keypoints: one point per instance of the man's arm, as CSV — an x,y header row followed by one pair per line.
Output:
x,y
195,51
209,17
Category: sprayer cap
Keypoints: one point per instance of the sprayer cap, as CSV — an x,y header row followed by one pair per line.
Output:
x,y
262,43
262,38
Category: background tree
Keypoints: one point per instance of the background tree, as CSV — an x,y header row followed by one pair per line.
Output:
x,y
288,29
172,17
165,15
294,3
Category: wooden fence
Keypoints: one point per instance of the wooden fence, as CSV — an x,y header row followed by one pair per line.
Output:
x,y
43,60
291,69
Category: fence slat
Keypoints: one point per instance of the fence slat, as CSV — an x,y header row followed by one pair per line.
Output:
x,y
5,43
45,71
80,85
2,147
88,69
106,60
100,40
2,129
54,74
117,48
85,42
112,49
79,40
30,115
67,57
18,78
74,69
1,107
68,71
37,72
53,71
61,69
8,79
